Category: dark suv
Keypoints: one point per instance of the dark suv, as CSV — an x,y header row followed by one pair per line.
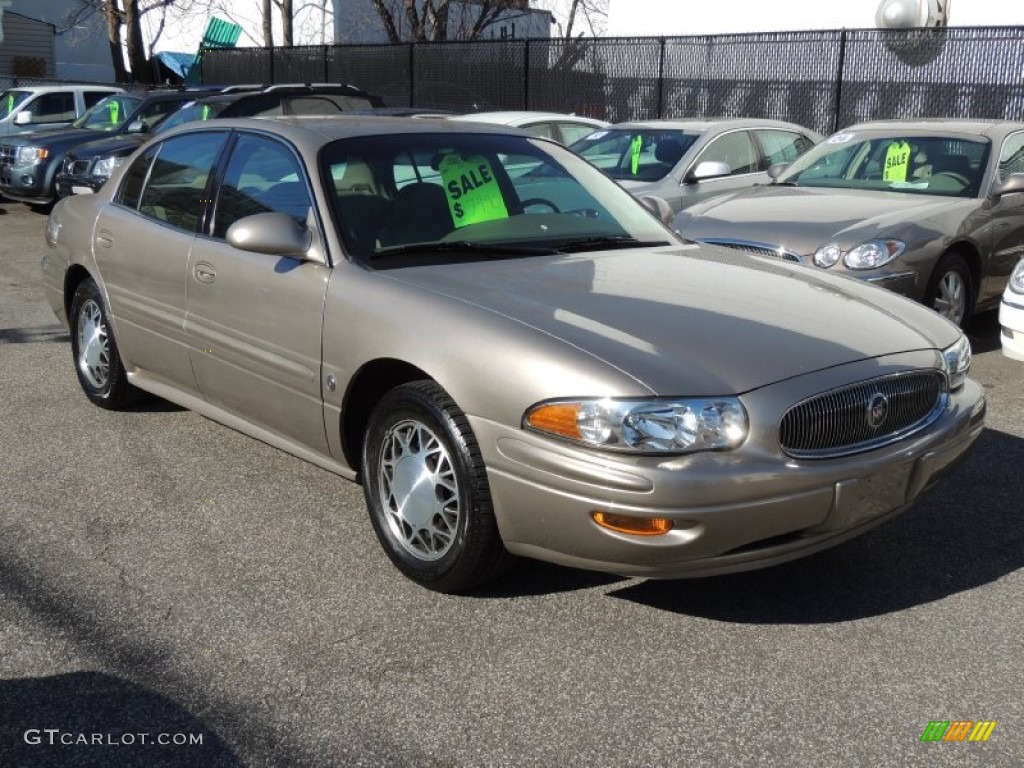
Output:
x,y
29,162
89,165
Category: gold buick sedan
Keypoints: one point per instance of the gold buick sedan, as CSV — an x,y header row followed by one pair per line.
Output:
x,y
510,353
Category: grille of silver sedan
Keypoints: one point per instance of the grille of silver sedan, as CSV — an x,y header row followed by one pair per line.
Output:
x,y
761,249
862,416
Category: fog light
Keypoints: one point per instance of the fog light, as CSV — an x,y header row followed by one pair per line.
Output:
x,y
27,180
637,526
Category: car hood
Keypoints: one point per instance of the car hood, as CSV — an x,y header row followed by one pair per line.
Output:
x,y
109,146
65,137
801,219
690,321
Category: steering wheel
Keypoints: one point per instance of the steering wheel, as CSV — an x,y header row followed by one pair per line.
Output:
x,y
524,204
957,177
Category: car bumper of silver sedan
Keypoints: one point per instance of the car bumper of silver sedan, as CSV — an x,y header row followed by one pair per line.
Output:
x,y
1011,320
730,511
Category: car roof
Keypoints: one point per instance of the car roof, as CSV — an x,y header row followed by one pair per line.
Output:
x,y
510,117
315,130
704,123
65,87
946,125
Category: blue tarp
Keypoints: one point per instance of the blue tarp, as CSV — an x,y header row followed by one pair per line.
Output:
x,y
178,63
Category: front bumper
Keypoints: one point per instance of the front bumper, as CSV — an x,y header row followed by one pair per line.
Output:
x,y
1011,320
732,511
24,183
68,185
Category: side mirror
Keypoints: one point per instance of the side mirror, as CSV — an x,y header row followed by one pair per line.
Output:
x,y
659,208
776,169
138,126
709,169
275,234
23,118
1012,184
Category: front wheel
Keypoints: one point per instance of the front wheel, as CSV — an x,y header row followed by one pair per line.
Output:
x,y
97,361
950,290
426,489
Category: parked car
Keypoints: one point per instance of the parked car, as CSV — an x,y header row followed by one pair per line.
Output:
x,y
29,162
686,161
88,166
1011,314
529,364
929,208
37,107
565,129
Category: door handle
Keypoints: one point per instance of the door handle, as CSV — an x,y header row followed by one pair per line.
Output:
x,y
204,272
104,238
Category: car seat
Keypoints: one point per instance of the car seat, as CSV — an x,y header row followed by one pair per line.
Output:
x,y
419,214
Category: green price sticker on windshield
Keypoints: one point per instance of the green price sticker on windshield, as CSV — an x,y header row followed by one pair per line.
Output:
x,y
206,112
635,148
472,190
10,103
897,161
114,108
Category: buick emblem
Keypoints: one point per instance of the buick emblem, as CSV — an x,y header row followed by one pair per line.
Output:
x,y
878,410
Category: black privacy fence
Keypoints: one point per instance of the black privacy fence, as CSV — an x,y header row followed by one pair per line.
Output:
x,y
821,79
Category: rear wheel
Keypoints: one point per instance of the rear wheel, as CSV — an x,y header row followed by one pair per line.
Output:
x,y
97,361
426,488
951,289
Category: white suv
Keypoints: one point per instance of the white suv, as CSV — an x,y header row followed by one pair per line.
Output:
x,y
47,106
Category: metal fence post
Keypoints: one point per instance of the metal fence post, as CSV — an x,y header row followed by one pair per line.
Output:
x,y
327,66
412,74
271,52
661,79
526,75
840,74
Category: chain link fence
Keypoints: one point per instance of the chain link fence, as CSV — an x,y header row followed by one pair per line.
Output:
x,y
821,79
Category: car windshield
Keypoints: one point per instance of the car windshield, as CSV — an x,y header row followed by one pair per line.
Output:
x,y
192,111
470,196
637,154
928,165
109,114
10,100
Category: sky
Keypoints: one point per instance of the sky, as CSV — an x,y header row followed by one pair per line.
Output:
x,y
700,17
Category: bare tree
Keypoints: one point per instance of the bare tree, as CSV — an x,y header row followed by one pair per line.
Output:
x,y
437,20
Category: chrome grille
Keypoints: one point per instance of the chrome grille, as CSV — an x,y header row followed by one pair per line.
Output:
x,y
842,421
761,249
6,155
74,167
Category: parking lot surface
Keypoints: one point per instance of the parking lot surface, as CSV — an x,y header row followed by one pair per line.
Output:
x,y
163,575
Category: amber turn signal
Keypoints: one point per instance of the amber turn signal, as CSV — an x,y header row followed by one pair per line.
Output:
x,y
556,418
637,526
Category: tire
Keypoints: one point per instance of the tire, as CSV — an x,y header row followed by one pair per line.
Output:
x,y
951,289
443,535
94,351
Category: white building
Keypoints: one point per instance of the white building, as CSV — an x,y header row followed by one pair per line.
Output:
x,y
669,18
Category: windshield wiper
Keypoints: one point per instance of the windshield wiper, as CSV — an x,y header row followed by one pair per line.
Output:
x,y
463,246
606,242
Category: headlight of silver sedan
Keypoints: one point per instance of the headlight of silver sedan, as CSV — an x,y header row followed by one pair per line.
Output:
x,y
105,166
873,254
644,426
957,359
1017,278
30,155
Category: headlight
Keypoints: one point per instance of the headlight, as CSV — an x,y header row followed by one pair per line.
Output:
x,y
827,255
957,358
873,254
106,166
30,155
644,426
1017,278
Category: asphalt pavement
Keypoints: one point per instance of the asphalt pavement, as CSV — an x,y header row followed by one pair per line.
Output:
x,y
166,579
